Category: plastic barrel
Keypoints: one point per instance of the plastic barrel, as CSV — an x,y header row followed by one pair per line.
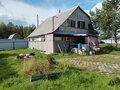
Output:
x,y
79,46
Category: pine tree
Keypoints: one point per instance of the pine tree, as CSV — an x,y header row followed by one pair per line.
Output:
x,y
107,18
2,30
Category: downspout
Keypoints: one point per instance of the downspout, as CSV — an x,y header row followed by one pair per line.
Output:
x,y
53,34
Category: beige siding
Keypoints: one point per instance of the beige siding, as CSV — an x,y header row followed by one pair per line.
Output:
x,y
46,45
78,15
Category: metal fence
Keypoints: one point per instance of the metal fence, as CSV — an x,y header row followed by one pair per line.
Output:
x,y
111,41
6,44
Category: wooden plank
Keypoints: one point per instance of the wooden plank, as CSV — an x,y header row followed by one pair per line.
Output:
x,y
44,76
59,48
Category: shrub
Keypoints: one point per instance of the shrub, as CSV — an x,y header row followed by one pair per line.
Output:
x,y
108,49
35,66
31,66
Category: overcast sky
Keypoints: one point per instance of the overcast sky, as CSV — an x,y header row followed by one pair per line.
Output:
x,y
25,11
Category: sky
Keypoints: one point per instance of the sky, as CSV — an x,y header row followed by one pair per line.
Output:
x,y
24,12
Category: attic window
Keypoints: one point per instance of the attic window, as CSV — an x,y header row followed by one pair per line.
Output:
x,y
71,23
81,24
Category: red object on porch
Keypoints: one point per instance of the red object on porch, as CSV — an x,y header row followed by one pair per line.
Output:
x,y
90,39
64,38
97,49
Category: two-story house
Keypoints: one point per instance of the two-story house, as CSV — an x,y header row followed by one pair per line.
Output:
x,y
63,31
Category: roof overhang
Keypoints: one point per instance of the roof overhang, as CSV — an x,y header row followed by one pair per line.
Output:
x,y
71,33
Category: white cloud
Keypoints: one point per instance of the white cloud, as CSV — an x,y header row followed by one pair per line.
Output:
x,y
20,11
99,6
23,13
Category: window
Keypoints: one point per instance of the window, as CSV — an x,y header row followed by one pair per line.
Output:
x,y
81,24
71,23
78,24
43,38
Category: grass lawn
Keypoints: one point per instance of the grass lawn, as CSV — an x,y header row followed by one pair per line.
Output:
x,y
13,73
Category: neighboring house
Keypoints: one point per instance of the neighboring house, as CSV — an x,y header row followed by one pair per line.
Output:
x,y
15,36
111,40
63,31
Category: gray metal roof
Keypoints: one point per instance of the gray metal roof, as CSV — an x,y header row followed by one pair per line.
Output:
x,y
47,26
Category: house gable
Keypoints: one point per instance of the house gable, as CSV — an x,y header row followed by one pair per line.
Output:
x,y
77,16
59,20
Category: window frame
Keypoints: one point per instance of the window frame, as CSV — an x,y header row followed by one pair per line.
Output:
x,y
81,24
71,23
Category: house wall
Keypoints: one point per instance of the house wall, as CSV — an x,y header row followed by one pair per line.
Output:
x,y
46,45
78,15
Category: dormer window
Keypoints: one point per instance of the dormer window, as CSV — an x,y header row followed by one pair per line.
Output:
x,y
71,23
81,24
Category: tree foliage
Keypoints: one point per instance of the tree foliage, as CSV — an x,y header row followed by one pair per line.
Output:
x,y
7,29
107,19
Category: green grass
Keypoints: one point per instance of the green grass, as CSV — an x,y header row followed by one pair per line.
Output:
x,y
70,80
73,78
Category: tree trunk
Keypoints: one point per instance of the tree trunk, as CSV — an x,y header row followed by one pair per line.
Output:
x,y
115,38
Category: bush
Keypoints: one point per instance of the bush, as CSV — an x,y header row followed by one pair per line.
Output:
x,y
35,66
31,66
108,49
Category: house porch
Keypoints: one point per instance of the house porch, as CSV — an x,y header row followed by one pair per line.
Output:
x,y
67,42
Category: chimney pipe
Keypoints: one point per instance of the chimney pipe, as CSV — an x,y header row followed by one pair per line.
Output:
x,y
59,11
37,21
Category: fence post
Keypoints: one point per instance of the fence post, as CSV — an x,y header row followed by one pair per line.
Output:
x,y
13,45
27,44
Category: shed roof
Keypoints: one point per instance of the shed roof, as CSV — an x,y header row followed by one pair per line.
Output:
x,y
47,26
11,36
